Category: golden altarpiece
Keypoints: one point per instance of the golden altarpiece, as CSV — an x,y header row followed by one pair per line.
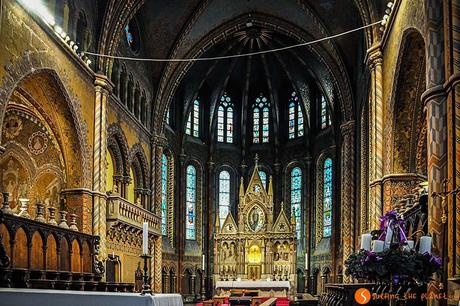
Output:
x,y
259,247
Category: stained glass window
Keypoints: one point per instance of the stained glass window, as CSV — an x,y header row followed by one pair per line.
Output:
x,y
192,126
296,121
327,198
263,178
225,119
167,117
296,197
190,203
129,36
325,116
224,195
164,193
261,120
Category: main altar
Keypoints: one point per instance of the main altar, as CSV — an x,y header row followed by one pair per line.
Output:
x,y
257,247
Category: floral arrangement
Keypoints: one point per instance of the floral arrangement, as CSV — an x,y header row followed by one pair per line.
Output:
x,y
398,261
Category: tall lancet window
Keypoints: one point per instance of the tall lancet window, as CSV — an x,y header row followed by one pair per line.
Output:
x,y
193,121
261,120
263,178
224,195
327,198
164,194
225,120
190,203
325,116
296,122
296,197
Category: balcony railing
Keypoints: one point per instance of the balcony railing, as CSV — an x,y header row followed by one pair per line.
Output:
x,y
121,210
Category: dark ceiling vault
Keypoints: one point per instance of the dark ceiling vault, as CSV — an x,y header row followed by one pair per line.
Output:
x,y
171,29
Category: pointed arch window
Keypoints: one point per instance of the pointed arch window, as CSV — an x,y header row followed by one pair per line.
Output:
x,y
193,122
190,203
296,121
224,195
296,197
263,178
168,117
325,116
164,194
327,198
261,120
225,119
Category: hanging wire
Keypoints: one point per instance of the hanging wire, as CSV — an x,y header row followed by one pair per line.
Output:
x,y
234,55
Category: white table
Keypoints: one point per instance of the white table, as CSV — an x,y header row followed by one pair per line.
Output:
x,y
36,297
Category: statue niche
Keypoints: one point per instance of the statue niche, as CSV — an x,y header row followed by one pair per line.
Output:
x,y
255,247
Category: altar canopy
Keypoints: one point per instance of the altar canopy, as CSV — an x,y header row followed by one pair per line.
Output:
x,y
258,246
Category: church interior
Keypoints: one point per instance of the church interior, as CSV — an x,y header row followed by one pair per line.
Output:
x,y
245,152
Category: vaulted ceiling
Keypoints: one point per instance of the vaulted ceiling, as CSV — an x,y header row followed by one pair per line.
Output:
x,y
175,29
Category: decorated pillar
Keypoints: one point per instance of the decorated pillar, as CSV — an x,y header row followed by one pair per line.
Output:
x,y
156,267
375,153
102,87
158,144
447,13
364,176
347,190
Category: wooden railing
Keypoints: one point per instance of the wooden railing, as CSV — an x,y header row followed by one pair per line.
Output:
x,y
47,256
121,210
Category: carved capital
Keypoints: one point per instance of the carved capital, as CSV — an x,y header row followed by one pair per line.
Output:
x,y
374,57
159,140
347,128
102,82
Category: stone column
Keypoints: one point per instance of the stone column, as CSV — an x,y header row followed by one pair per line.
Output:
x,y
181,224
374,61
451,22
436,113
347,190
364,176
209,222
156,265
102,87
158,143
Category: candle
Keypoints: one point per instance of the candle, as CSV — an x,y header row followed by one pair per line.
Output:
x,y
425,244
145,238
410,244
377,246
204,261
306,261
366,240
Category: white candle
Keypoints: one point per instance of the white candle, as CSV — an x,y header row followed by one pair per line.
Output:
x,y
377,246
145,238
366,240
410,244
204,261
425,244
306,261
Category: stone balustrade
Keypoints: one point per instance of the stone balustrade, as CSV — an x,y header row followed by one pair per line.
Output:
x,y
121,210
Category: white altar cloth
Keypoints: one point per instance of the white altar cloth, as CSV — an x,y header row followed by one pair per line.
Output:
x,y
36,297
261,284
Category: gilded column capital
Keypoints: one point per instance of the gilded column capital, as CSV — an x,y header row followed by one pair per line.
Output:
x,y
374,56
102,81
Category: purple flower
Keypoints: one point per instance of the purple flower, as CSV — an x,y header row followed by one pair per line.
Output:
x,y
436,261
